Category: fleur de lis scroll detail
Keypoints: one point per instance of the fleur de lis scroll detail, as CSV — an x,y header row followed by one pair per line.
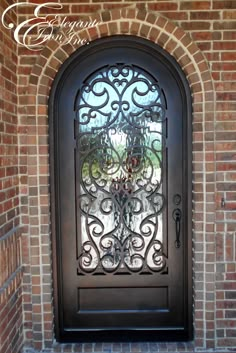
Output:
x,y
119,114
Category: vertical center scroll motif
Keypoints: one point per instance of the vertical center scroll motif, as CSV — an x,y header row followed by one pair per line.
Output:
x,y
119,116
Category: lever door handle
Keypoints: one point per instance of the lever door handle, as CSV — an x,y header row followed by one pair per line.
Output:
x,y
177,218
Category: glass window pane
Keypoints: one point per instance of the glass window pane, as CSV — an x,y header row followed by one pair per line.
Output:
x,y
120,111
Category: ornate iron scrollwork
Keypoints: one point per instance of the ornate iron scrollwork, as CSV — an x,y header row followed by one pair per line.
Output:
x,y
120,111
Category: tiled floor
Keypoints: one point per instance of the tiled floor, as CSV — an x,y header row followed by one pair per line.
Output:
x,y
143,347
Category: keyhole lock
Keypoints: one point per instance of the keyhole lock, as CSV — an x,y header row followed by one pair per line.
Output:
x,y
177,199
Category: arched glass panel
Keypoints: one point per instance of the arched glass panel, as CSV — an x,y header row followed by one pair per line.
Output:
x,y
120,137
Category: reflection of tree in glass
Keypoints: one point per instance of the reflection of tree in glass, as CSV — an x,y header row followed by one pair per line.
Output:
x,y
104,154
120,112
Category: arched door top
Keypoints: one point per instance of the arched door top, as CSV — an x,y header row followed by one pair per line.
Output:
x,y
120,121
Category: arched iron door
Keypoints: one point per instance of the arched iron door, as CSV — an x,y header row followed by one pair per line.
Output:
x,y
121,208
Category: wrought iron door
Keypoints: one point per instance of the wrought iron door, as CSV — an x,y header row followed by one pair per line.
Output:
x,y
119,116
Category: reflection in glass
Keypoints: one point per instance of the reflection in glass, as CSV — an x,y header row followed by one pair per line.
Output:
x,y
120,112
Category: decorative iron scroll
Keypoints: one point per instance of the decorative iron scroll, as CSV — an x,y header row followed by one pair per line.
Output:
x,y
120,111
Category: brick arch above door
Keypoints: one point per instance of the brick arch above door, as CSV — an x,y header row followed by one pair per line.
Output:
x,y
180,45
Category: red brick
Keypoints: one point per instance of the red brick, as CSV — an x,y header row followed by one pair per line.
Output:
x,y
198,36
229,35
162,6
228,56
204,15
196,25
195,5
85,8
224,46
226,4
224,25
174,15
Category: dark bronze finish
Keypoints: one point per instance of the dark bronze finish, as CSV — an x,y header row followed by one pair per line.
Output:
x,y
177,218
177,199
119,271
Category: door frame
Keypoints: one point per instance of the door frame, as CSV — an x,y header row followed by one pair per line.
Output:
x,y
64,70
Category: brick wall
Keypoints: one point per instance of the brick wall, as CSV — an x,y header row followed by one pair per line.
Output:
x,y
201,36
11,320
11,323
9,173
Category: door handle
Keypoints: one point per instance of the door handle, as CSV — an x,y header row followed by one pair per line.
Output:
x,y
177,218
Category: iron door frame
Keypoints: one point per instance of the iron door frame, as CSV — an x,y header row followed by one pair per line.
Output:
x,y
65,69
